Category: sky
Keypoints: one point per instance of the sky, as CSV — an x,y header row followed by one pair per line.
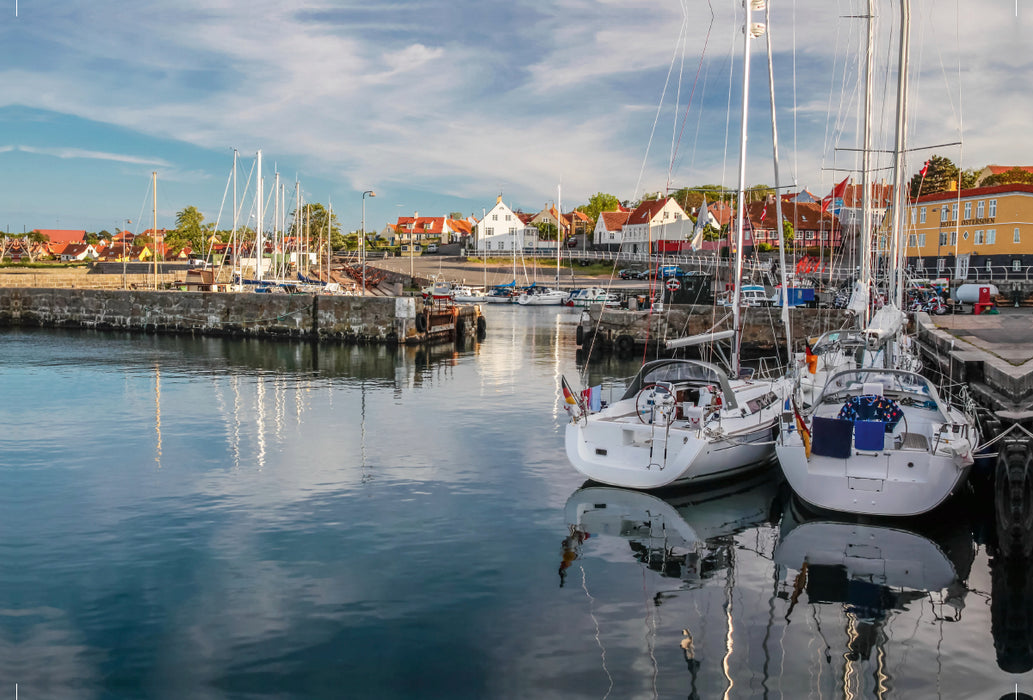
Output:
x,y
442,105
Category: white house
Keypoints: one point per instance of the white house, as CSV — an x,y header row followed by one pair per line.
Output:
x,y
654,221
609,229
501,229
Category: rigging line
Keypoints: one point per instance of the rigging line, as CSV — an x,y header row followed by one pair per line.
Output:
x,y
659,110
796,104
692,93
683,42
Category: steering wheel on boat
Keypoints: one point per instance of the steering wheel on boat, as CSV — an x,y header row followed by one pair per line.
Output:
x,y
655,404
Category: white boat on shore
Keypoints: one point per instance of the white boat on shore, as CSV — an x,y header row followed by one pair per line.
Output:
x,y
541,296
587,296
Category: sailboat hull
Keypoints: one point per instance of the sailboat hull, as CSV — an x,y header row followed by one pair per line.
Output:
x,y
647,457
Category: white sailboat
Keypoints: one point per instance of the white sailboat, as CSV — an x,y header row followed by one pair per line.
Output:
x,y
684,421
878,440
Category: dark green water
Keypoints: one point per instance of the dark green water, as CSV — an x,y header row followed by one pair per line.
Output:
x,y
235,519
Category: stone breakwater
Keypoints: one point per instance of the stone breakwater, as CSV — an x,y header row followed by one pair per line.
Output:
x,y
346,319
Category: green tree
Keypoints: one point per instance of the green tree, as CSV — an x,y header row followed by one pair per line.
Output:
x,y
316,226
1015,176
940,173
456,215
546,230
787,231
94,238
597,204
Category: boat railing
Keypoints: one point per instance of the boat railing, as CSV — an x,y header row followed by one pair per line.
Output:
x,y
769,367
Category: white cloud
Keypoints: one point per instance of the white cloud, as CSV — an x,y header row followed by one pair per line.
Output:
x,y
84,153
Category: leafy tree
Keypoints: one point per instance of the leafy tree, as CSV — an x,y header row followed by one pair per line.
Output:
x,y
190,230
94,238
757,193
546,230
597,204
456,215
938,177
1015,176
788,234
316,227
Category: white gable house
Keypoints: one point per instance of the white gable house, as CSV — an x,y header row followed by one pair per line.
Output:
x,y
501,229
653,221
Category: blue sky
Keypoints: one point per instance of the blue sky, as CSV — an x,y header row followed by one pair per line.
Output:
x,y
440,105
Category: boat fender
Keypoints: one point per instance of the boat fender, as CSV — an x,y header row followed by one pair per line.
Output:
x,y
625,344
421,323
460,327
482,326
580,335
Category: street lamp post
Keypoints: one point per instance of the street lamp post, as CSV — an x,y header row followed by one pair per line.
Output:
x,y
362,239
125,255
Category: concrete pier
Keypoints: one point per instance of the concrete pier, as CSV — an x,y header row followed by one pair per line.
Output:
x,y
323,318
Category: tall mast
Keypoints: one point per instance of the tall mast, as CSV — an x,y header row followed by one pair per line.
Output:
x,y
276,220
258,226
749,32
866,153
559,231
233,236
778,190
154,209
899,193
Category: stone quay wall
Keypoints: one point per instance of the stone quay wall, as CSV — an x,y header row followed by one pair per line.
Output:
x,y
302,316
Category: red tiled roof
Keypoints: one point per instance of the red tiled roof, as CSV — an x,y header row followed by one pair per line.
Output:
x,y
60,235
614,220
722,212
948,195
998,169
882,195
804,216
645,211
460,225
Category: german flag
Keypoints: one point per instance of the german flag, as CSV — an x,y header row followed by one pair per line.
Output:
x,y
805,434
569,397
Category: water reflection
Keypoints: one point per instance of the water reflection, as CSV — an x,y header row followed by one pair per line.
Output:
x,y
851,578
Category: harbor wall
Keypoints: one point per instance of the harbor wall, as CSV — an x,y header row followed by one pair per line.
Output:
x,y
329,318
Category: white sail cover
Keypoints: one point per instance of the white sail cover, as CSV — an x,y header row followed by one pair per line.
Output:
x,y
885,325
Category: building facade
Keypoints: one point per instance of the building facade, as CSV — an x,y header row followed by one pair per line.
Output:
x,y
980,233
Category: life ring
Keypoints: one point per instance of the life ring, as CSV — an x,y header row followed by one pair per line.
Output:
x,y
580,335
482,327
421,323
624,344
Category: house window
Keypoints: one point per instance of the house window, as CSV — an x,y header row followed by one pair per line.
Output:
x,y
978,240
939,264
954,211
920,264
921,240
914,217
494,217
968,210
943,238
490,230
912,241
508,217
992,213
954,237
989,264
980,209
921,215
1016,237
943,213
991,236
1016,265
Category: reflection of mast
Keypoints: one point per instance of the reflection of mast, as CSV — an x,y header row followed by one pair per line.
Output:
x,y
730,624
260,420
157,412
366,477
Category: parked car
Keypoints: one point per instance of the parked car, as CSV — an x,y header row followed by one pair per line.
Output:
x,y
665,271
628,274
431,248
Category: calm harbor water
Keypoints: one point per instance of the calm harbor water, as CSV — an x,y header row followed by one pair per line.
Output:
x,y
209,518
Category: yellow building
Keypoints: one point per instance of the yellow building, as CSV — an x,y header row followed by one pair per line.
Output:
x,y
976,234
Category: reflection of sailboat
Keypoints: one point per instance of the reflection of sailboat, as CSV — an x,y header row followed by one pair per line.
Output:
x,y
868,573
681,534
